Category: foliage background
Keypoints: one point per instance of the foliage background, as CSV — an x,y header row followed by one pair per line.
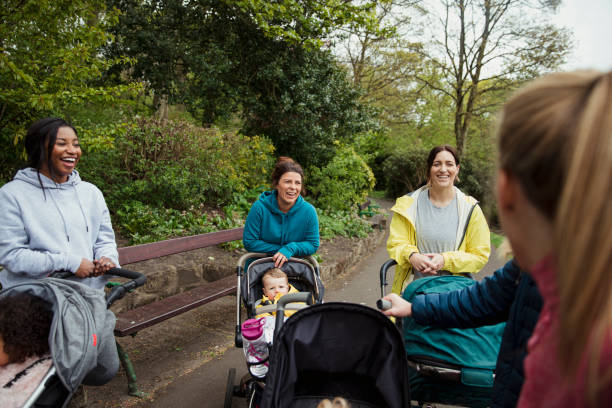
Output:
x,y
183,107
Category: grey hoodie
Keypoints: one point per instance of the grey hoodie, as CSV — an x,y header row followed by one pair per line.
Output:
x,y
41,233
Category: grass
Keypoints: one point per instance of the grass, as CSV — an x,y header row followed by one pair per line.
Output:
x,y
496,239
377,194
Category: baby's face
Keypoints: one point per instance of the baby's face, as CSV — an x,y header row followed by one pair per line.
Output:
x,y
4,358
274,286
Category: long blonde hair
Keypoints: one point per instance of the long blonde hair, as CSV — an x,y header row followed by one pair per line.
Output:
x,y
555,136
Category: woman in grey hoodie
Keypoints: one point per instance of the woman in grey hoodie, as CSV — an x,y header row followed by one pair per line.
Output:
x,y
50,219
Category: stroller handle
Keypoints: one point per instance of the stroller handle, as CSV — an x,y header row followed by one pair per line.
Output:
x,y
383,275
242,261
137,279
300,297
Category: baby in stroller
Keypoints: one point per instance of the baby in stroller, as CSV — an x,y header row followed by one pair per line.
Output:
x,y
25,321
275,284
284,289
65,321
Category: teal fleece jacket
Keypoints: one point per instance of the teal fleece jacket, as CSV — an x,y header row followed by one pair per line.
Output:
x,y
269,230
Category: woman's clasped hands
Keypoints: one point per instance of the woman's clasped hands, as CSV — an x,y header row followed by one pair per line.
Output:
x,y
428,264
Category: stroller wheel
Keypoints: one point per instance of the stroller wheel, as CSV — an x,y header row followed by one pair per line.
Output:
x,y
254,394
229,388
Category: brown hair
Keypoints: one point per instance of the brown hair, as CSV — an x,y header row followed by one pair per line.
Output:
x,y
555,137
285,165
25,321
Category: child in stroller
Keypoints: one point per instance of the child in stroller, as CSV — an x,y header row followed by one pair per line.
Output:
x,y
25,321
275,284
79,337
302,274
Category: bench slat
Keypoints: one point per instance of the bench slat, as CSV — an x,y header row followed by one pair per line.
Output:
x,y
137,253
132,321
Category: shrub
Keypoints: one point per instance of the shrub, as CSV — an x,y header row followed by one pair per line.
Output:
x,y
143,223
178,165
405,170
343,223
345,181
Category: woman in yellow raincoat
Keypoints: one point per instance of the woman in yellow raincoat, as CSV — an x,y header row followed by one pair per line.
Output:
x,y
437,229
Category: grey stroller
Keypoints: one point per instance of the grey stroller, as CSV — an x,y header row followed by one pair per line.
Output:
x,y
303,274
81,340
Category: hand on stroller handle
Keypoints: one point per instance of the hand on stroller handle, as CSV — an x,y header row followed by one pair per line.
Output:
x,y
137,279
394,305
383,304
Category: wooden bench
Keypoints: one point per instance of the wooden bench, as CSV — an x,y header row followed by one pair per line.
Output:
x,y
132,321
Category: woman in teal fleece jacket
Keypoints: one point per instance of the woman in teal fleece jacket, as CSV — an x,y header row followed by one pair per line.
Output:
x,y
281,222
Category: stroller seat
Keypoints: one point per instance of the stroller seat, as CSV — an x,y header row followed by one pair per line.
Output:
x,y
301,274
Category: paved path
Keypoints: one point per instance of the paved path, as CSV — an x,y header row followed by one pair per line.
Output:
x,y
204,385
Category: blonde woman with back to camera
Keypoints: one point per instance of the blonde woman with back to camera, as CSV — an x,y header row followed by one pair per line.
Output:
x,y
553,192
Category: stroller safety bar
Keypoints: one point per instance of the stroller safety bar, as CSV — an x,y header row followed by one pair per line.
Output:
x,y
137,279
300,297
272,308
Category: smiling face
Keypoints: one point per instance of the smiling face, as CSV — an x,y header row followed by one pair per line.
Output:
x,y
443,171
65,155
288,187
274,286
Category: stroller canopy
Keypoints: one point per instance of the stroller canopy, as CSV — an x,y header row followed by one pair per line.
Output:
x,y
337,349
81,337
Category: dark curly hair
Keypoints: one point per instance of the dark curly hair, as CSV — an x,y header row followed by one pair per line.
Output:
x,y
25,321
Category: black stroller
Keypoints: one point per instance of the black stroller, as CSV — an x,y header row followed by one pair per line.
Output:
x,y
303,274
81,339
448,366
337,350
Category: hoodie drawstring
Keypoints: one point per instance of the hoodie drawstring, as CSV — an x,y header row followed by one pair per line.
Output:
x,y
61,214
76,193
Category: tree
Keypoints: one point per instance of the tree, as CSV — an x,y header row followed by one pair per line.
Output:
x,y
304,102
370,53
49,63
487,46
216,59
308,22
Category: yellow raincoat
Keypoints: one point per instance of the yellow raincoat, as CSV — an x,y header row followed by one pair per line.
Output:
x,y
472,242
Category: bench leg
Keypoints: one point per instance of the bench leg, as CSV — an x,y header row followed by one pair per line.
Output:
x,y
129,372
